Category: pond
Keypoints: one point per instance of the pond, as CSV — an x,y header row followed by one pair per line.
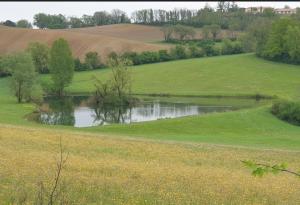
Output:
x,y
78,112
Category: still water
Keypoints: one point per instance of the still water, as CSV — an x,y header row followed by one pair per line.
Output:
x,y
76,111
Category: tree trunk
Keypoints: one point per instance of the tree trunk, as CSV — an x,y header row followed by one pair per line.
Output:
x,y
19,93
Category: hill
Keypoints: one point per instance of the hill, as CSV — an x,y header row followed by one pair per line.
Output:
x,y
242,74
16,39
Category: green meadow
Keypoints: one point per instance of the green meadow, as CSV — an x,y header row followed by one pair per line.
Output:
x,y
234,75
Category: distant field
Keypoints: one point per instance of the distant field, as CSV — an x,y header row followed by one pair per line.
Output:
x,y
102,39
17,39
143,33
105,170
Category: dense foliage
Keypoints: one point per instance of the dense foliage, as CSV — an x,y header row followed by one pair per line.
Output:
x,y
283,42
278,40
23,76
287,111
116,16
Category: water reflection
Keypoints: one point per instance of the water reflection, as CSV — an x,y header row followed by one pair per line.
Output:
x,y
58,112
78,113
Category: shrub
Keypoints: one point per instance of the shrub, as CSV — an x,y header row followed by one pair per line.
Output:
x,y
287,111
148,57
78,66
164,55
133,56
207,46
231,47
195,51
178,52
216,50
92,60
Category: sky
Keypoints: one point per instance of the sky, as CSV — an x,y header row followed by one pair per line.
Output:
x,y
26,10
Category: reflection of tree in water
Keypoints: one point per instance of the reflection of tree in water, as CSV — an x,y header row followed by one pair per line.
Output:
x,y
61,112
111,114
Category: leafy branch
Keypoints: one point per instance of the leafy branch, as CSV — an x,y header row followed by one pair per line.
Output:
x,y
259,169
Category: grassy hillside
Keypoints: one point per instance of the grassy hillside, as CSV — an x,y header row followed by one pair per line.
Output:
x,y
242,74
251,128
17,39
103,170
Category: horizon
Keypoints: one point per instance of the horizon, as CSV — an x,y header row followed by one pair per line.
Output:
x,y
26,10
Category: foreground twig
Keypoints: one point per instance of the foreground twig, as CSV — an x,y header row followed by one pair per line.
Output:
x,y
60,165
260,169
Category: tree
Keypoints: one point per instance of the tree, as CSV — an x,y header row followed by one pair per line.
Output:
x,y
118,16
121,76
61,65
117,89
215,30
9,23
102,18
257,35
92,60
24,24
205,32
268,12
167,31
75,22
292,39
184,31
23,75
276,47
41,20
40,56
57,21
88,20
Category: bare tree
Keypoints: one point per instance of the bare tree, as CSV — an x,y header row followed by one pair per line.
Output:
x,y
167,31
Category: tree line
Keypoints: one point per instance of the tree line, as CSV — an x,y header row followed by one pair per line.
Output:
x,y
227,15
276,40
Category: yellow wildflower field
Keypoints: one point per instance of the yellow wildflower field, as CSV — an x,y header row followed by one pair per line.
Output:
x,y
110,170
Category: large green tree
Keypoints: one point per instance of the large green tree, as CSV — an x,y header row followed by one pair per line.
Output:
x,y
292,38
61,65
276,47
23,75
